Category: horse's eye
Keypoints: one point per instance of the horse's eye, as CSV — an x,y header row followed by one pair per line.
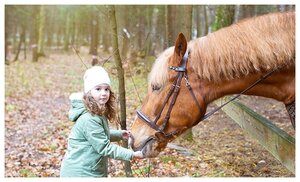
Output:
x,y
155,87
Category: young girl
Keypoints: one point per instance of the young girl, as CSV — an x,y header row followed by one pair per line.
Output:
x,y
89,141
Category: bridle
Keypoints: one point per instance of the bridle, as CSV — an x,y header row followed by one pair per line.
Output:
x,y
181,73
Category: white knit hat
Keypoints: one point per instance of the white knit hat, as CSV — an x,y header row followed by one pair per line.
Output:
x,y
95,76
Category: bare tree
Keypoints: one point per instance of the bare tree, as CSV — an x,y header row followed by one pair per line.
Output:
x,y
120,70
41,29
186,21
224,16
94,32
34,33
67,30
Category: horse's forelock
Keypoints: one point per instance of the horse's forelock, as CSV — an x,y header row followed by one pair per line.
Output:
x,y
159,71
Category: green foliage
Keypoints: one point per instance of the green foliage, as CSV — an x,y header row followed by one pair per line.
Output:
x,y
219,173
189,136
53,146
166,159
224,17
27,173
10,107
196,174
143,170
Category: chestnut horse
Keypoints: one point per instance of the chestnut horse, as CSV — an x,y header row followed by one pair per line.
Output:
x,y
187,77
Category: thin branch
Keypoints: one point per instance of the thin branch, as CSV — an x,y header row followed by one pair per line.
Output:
x,y
78,56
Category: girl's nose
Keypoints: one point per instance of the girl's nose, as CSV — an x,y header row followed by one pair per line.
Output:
x,y
102,92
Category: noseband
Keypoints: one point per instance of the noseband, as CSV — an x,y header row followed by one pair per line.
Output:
x,y
181,73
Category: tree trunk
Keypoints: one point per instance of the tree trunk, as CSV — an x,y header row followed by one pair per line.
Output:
x,y
22,40
166,44
237,13
118,62
140,32
50,27
247,11
224,16
34,34
186,21
206,29
67,31
94,33
7,19
171,37
41,25
199,22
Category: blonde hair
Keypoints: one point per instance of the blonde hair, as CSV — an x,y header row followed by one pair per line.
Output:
x,y
108,110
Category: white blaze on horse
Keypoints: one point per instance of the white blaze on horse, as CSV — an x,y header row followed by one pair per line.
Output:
x,y
187,77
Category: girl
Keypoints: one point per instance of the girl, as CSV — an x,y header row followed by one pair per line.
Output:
x,y
89,141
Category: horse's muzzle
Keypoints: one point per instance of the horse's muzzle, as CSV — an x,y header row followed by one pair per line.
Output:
x,y
130,141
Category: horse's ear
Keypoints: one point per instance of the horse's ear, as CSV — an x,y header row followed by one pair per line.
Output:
x,y
180,45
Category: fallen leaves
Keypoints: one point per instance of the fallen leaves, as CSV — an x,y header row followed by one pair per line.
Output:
x,y
37,128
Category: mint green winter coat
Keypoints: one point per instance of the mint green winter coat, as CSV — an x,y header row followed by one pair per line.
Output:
x,y
89,145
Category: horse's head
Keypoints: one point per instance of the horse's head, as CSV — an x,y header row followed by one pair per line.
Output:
x,y
222,63
172,105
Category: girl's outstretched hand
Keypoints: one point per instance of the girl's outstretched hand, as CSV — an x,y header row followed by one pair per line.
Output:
x,y
125,134
138,155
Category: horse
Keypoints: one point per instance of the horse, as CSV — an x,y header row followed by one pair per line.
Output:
x,y
185,78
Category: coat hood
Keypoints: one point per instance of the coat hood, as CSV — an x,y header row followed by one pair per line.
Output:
x,y
77,106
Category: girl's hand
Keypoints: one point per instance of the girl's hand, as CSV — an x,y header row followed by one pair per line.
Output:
x,y
138,155
125,135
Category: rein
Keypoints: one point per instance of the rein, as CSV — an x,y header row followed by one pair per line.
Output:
x,y
181,73
235,97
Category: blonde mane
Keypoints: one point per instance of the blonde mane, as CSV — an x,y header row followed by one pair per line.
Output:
x,y
253,45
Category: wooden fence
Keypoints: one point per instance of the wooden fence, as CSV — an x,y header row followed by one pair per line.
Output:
x,y
280,144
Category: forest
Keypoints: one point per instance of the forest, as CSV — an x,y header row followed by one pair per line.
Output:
x,y
142,30
47,50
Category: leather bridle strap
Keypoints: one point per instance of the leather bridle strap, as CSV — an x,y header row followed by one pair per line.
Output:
x,y
148,121
188,85
166,99
181,72
176,91
235,97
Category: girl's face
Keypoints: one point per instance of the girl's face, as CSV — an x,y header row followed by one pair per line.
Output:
x,y
101,93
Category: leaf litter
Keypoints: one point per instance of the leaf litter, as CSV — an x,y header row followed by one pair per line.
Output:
x,y
37,128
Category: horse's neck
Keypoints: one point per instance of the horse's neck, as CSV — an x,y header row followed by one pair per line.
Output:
x,y
279,86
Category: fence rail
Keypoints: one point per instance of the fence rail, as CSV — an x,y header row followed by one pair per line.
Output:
x,y
280,144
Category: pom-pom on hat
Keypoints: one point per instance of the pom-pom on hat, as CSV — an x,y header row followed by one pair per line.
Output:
x,y
94,76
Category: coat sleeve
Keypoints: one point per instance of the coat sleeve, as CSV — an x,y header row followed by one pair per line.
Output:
x,y
115,135
95,134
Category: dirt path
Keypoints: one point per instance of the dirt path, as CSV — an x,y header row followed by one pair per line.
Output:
x,y
33,142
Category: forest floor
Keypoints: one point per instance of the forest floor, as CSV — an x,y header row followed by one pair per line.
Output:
x,y
37,127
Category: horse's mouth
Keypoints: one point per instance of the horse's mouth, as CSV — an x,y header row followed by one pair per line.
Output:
x,y
148,148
